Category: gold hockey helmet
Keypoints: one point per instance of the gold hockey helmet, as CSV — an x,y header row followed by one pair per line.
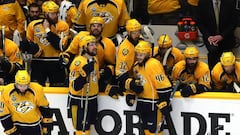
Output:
x,y
164,41
22,77
227,59
97,19
133,25
191,52
50,7
143,47
86,40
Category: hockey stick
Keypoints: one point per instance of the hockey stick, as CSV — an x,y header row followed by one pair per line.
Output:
x,y
3,40
236,87
168,116
61,49
86,103
149,34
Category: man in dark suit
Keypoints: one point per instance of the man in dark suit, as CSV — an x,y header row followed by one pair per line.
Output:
x,y
217,31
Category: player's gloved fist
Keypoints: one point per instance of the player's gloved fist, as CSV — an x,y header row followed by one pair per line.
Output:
x,y
88,68
5,64
122,78
164,107
130,99
188,90
113,91
29,47
106,73
64,59
12,131
47,125
134,85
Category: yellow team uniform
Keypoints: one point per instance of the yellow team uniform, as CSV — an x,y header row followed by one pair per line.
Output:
x,y
174,56
13,54
114,13
68,12
221,80
12,17
156,91
24,109
162,6
76,70
200,76
37,34
125,58
78,93
106,50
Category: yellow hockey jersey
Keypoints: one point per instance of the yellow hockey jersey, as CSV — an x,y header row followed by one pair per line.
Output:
x,y
201,74
23,108
125,58
114,13
174,56
12,52
220,78
106,51
76,70
153,79
12,17
37,34
162,6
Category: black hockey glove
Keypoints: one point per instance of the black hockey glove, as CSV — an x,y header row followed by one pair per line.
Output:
x,y
188,90
64,59
5,64
47,125
105,78
88,68
165,107
113,91
29,47
130,99
134,85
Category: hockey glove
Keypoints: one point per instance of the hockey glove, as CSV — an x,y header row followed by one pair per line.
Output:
x,y
105,78
165,107
113,91
121,79
88,68
64,59
30,47
188,90
47,124
6,66
134,85
130,99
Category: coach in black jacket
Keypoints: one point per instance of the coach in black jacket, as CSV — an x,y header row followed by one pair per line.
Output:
x,y
217,41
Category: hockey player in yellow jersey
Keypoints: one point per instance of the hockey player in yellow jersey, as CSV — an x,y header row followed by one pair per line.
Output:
x,y
106,51
24,108
67,11
164,11
126,56
194,75
10,59
83,87
113,12
46,38
12,17
225,73
167,54
154,97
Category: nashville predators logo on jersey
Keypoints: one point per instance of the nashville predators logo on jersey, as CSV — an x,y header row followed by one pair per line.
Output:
x,y
125,52
23,107
106,16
